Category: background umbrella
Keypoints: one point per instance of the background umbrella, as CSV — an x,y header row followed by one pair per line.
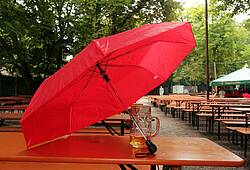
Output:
x,y
241,76
105,78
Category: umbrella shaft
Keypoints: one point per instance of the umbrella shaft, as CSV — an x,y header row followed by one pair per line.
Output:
x,y
144,136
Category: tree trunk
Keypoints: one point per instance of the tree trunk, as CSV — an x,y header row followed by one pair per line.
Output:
x,y
26,75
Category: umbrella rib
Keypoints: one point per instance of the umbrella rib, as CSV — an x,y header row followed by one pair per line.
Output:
x,y
108,59
113,65
92,75
93,71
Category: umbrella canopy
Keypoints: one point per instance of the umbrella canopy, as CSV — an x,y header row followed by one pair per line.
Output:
x,y
105,78
241,76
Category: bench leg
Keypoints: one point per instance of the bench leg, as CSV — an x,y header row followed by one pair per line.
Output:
x,y
218,129
209,125
192,118
245,148
166,111
182,115
236,137
206,123
173,112
233,132
189,117
197,122
241,140
212,124
1,122
122,167
122,126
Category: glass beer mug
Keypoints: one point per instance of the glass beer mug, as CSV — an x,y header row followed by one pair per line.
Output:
x,y
144,119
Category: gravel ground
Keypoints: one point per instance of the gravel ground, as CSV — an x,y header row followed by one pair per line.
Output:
x,y
177,127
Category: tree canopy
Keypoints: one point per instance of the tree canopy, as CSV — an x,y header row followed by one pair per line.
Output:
x,y
234,6
228,45
36,36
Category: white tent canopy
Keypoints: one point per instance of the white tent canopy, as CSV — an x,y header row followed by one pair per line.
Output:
x,y
241,76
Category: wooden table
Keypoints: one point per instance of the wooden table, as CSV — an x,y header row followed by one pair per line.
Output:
x,y
81,149
11,113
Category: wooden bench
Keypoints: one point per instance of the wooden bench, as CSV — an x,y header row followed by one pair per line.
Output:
x,y
10,116
12,100
10,129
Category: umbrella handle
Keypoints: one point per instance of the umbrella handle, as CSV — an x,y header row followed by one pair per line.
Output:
x,y
152,148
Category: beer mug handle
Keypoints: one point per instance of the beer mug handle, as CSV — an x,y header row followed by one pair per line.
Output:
x,y
157,126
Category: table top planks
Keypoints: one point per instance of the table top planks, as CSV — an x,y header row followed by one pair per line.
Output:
x,y
99,149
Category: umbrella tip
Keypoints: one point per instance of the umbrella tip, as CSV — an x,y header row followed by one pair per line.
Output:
x,y
152,148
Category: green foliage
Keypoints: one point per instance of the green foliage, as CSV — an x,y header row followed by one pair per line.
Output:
x,y
228,45
234,6
35,34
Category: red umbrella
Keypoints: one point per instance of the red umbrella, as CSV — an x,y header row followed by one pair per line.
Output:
x,y
105,78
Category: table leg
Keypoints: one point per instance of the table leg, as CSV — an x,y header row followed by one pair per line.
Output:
x,y
131,167
197,122
241,140
111,130
1,122
122,167
233,132
212,125
192,117
122,128
236,137
189,117
209,125
153,167
218,129
245,148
